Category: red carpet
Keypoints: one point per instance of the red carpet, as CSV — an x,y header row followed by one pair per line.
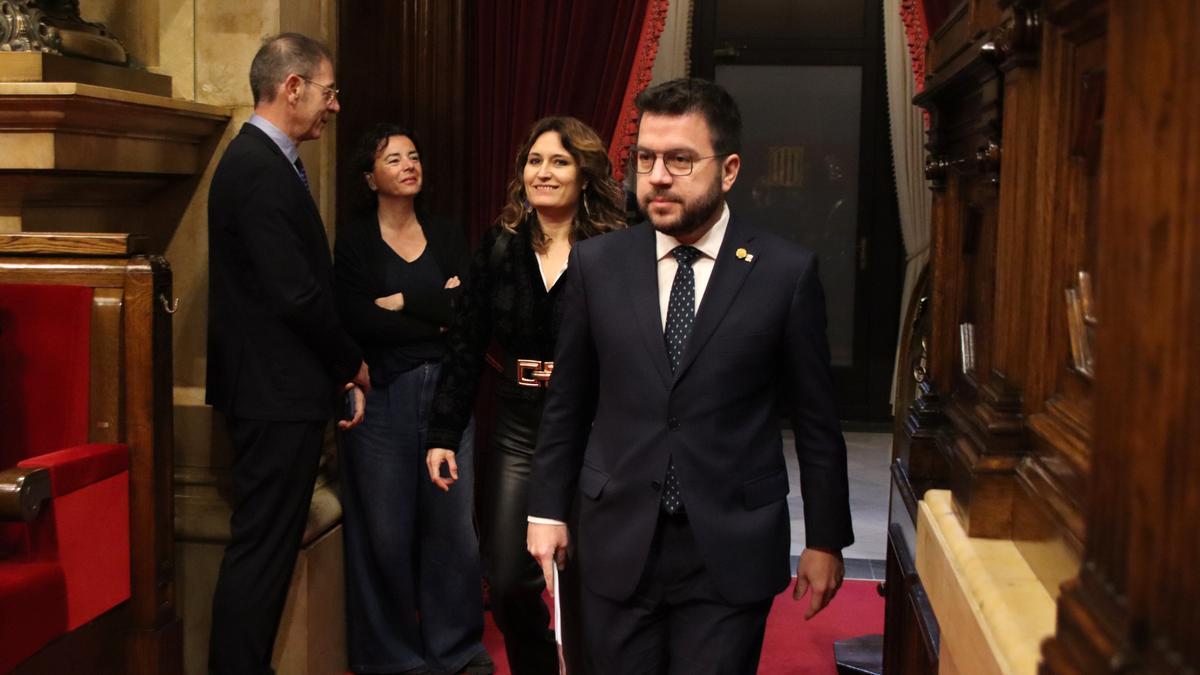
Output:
x,y
792,646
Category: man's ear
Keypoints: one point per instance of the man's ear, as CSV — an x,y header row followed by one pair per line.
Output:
x,y
729,171
292,85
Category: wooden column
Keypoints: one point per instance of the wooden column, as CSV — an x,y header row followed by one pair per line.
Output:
x,y
1136,606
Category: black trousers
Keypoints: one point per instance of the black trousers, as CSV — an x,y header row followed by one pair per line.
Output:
x,y
676,622
274,468
514,577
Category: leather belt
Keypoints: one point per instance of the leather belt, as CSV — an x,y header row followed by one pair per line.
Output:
x,y
534,373
525,372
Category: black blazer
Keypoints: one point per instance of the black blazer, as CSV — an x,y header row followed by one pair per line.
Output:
x,y
615,413
276,349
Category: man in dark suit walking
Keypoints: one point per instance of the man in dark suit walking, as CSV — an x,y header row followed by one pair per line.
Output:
x,y
278,358
681,341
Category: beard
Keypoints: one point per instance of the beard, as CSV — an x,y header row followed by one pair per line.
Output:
x,y
696,214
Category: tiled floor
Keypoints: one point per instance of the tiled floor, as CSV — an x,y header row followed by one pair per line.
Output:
x,y
868,457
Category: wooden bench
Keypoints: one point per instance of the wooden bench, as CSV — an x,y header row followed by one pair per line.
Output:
x,y
86,510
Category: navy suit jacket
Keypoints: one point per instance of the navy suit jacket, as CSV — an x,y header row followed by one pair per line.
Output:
x,y
276,348
615,413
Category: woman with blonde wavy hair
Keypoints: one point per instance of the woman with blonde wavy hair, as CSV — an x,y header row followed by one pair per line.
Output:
x,y
562,192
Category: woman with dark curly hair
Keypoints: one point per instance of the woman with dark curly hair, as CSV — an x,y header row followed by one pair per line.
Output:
x,y
413,597
562,192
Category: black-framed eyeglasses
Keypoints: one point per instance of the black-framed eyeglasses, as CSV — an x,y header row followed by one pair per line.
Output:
x,y
331,94
677,162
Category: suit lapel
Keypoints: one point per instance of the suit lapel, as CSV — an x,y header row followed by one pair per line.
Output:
x,y
262,137
643,279
728,274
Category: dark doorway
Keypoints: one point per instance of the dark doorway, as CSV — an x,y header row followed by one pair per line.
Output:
x,y
816,163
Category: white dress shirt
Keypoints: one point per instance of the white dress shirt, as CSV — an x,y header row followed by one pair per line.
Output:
x,y
709,245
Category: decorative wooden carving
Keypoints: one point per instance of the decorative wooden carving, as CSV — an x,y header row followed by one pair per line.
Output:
x,y
911,636
1019,39
983,99
1092,106
917,465
1135,607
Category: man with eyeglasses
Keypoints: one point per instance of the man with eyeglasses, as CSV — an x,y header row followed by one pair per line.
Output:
x,y
278,358
681,340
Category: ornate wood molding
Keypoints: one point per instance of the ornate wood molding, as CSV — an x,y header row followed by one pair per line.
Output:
x,y
983,445
76,143
1018,41
970,75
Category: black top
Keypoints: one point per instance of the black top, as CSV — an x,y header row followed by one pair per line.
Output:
x,y
419,276
509,304
276,349
367,268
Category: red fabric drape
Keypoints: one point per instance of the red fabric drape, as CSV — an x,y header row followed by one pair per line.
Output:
x,y
922,18
541,57
912,13
625,132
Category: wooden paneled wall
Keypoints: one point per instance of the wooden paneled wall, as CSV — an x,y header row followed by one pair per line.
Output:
x,y
1065,139
1136,605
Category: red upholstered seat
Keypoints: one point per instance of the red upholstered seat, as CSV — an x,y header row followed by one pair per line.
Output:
x,y
22,586
70,564
86,527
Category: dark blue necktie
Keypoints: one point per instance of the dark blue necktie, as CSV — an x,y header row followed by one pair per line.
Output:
x,y
303,174
681,313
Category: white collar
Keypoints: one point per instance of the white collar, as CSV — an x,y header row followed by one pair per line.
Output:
x,y
709,244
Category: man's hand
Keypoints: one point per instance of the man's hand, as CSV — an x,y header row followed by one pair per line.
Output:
x,y
548,545
392,303
434,460
453,282
362,379
360,406
819,571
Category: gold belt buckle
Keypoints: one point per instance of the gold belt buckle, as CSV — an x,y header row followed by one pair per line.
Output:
x,y
533,373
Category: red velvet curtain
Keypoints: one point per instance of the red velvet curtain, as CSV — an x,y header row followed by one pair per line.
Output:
x,y
922,18
542,57
625,132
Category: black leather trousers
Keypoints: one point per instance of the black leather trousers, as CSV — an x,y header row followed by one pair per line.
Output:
x,y
515,579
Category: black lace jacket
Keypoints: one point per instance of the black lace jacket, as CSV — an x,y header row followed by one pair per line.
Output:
x,y
508,304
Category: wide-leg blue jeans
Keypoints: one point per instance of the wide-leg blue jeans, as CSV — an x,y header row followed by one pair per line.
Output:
x,y
413,593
